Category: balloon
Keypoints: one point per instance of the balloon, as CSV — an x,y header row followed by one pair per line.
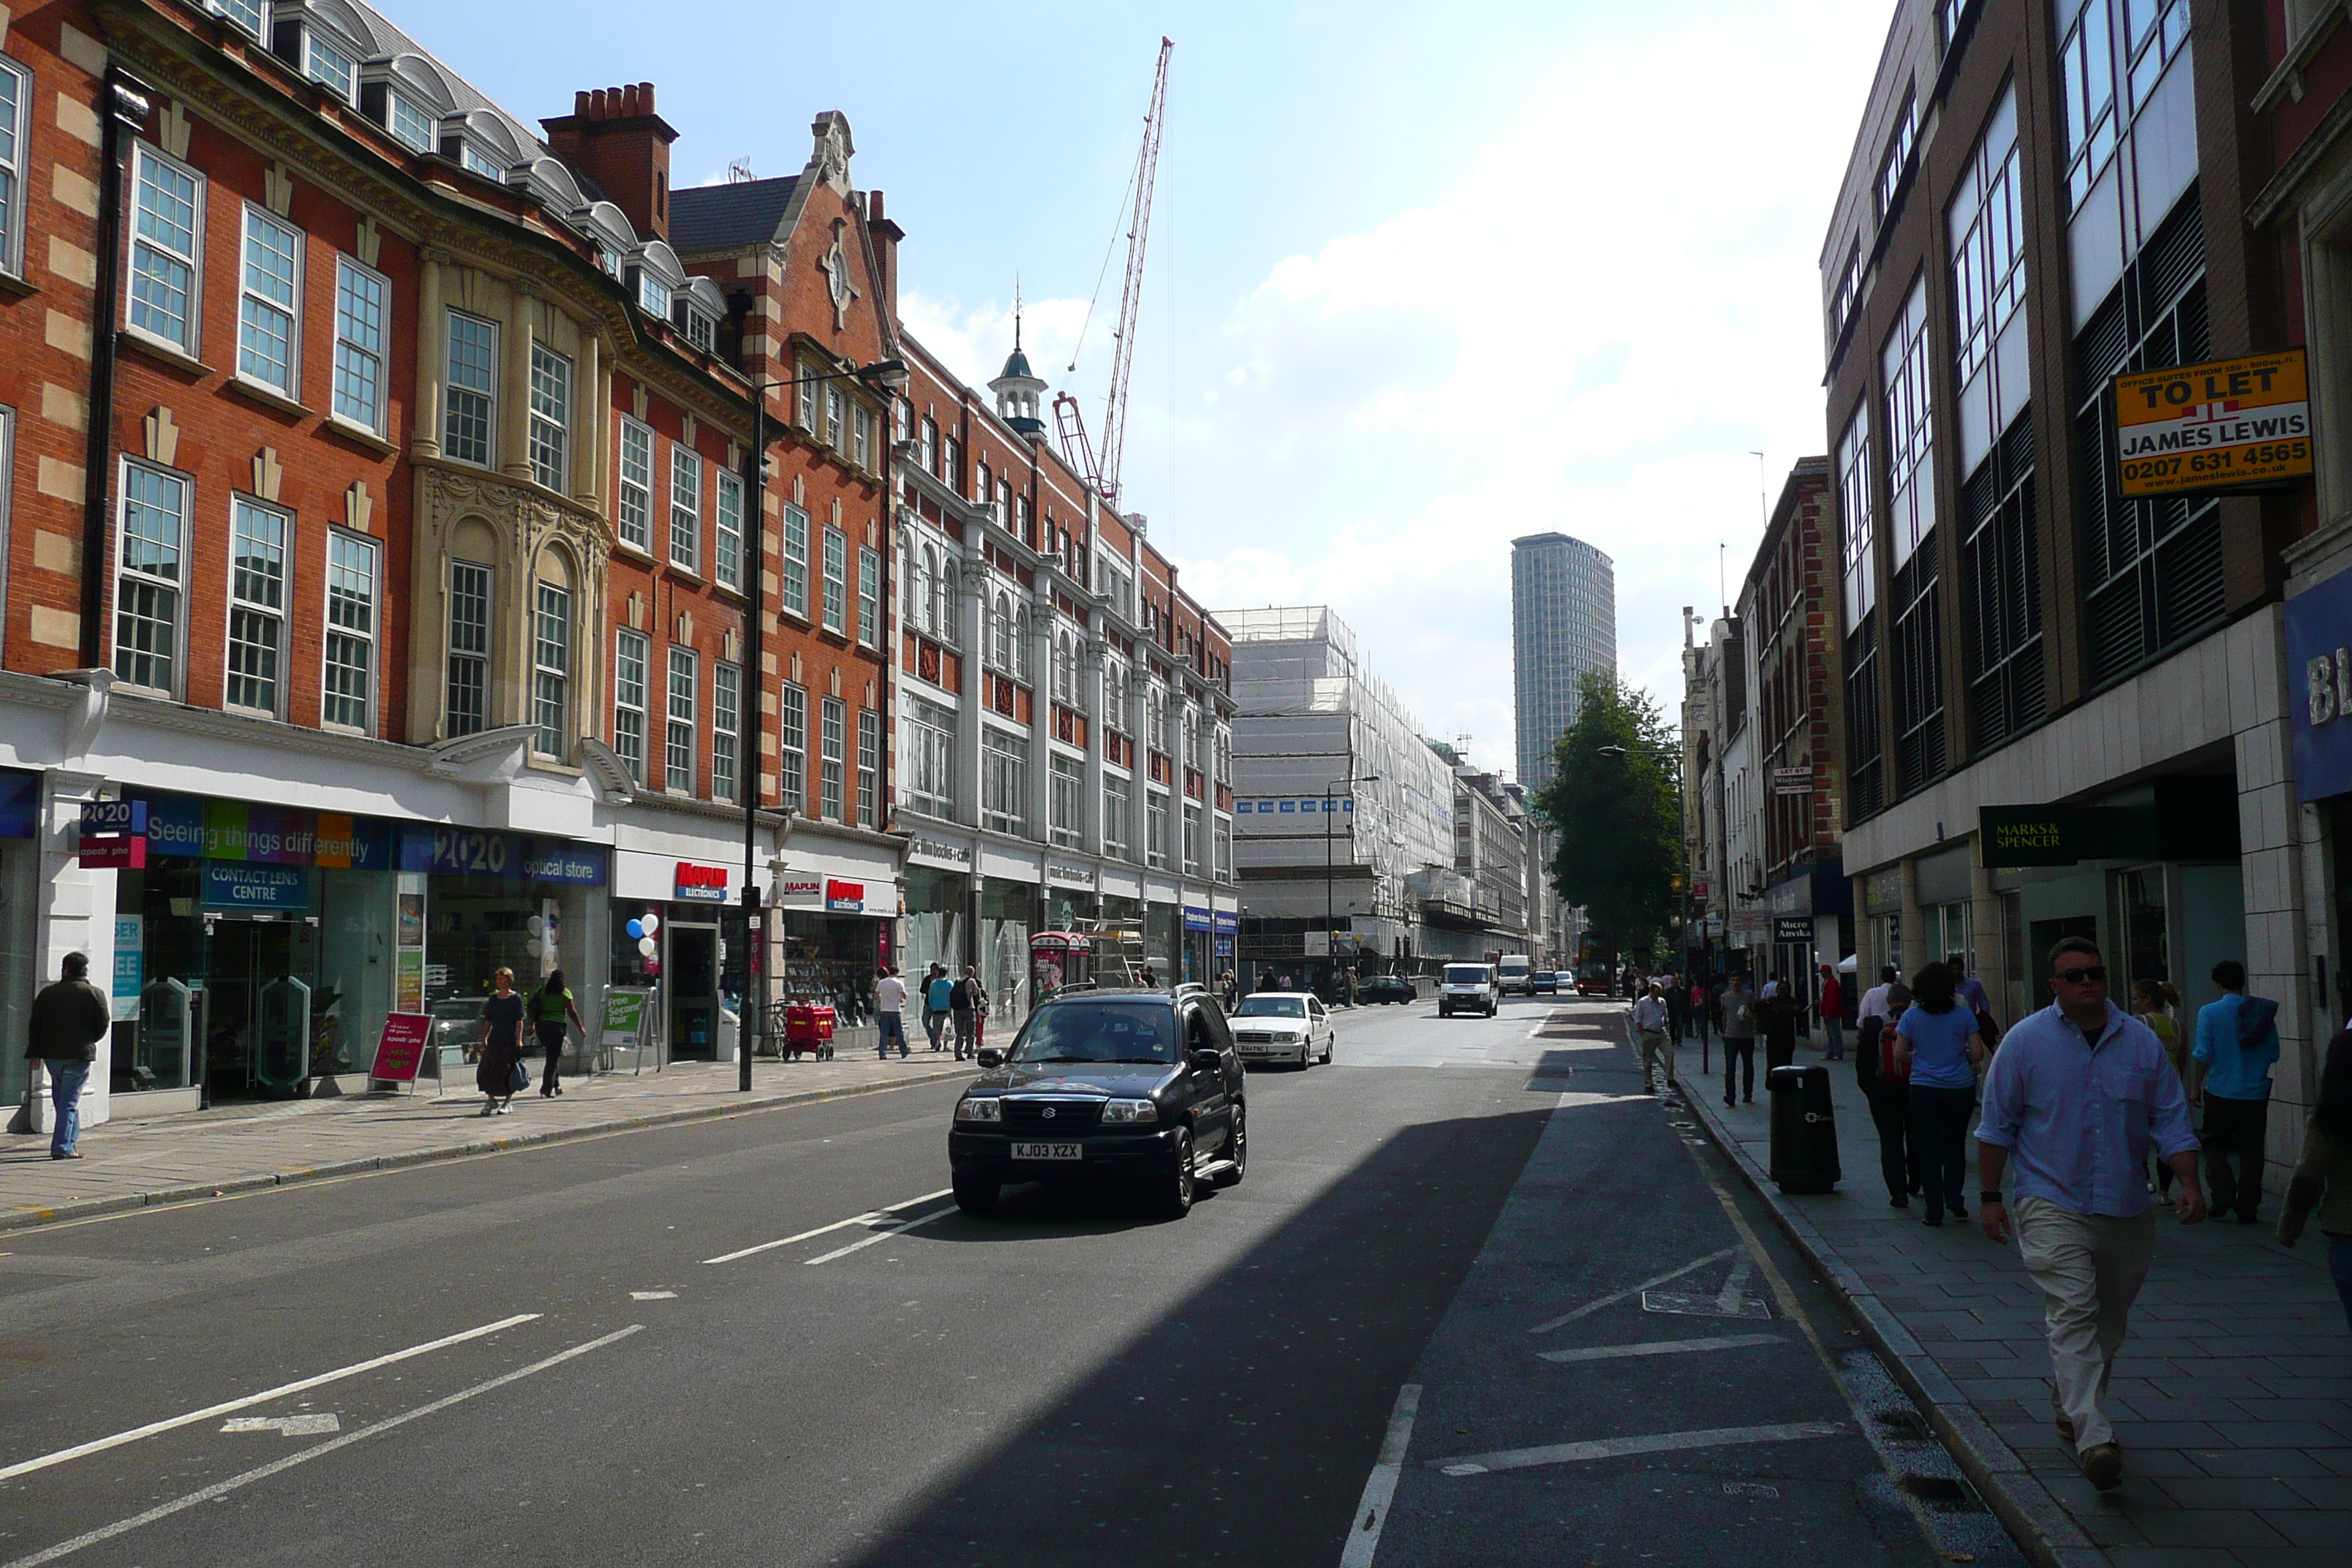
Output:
x,y
534,947
647,946
534,925
636,928
652,923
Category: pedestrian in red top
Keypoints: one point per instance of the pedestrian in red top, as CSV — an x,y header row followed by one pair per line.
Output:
x,y
1832,1015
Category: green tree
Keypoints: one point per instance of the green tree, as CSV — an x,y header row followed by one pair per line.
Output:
x,y
1613,804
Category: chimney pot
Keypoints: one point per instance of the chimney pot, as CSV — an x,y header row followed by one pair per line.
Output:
x,y
580,104
644,98
629,99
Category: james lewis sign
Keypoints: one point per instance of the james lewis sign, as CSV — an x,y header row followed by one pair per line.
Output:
x,y
2218,426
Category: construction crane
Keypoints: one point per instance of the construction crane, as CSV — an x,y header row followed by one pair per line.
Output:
x,y
1069,424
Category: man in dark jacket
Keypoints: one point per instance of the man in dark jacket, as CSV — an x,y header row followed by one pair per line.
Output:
x,y
69,1018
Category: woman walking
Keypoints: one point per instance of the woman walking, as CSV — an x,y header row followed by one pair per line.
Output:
x,y
2323,1180
1937,1043
2152,1001
1889,1095
550,1006
501,1047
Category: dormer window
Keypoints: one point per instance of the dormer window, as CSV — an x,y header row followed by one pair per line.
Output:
x,y
653,293
326,63
411,125
250,14
700,328
474,159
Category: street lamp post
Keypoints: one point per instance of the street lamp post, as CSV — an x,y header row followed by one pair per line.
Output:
x,y
1330,919
888,377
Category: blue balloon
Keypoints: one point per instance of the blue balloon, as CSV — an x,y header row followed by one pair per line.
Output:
x,y
636,928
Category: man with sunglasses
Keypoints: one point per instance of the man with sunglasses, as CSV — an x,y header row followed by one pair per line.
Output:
x,y
2077,1095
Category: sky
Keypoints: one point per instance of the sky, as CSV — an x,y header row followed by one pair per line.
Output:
x,y
1423,277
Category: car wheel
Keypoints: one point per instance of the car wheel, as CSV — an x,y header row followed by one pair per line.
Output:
x,y
1327,1044
976,1194
1237,1150
1173,1196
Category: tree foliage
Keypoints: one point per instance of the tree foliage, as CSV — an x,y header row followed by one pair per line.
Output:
x,y
1618,817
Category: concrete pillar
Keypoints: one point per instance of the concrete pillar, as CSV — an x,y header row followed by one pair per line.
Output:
x,y
513,432
1912,953
1090,703
971,612
432,355
75,913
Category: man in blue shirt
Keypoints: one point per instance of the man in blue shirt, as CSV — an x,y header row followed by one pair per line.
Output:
x,y
2077,1094
2237,1046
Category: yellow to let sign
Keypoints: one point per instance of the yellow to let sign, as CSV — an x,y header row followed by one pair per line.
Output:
x,y
2218,426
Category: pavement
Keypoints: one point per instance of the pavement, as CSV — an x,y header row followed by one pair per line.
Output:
x,y
240,1146
2232,1397
1479,1301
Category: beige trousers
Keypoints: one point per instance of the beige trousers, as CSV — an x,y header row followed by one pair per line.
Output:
x,y
2090,1268
1657,1058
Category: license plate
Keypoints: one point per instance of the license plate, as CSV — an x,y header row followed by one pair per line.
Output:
x,y
1049,1150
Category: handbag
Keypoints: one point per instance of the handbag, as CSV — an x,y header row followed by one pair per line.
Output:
x,y
518,1078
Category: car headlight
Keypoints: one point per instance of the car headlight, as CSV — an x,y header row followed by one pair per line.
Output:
x,y
1129,1110
983,1109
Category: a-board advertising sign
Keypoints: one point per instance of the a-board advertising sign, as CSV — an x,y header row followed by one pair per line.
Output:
x,y
2229,425
624,1018
399,1049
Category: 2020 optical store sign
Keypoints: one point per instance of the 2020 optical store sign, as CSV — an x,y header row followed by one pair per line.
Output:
x,y
2231,425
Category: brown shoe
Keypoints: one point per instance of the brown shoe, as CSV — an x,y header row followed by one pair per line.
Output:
x,y
2103,1465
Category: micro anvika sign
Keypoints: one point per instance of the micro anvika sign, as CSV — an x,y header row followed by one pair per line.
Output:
x,y
2232,425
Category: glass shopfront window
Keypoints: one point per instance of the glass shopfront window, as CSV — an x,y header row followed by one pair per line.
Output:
x,y
938,912
1006,913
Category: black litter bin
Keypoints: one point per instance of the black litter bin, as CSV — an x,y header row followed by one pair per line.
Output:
x,y
1804,1129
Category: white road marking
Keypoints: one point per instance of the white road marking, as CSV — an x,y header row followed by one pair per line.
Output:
x,y
99,1444
1371,1513
1618,1447
881,1235
1663,1347
1734,1291
866,1218
286,1425
1548,1324
653,1295
222,1488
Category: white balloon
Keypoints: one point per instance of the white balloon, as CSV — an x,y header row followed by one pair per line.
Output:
x,y
650,920
534,947
648,945
535,925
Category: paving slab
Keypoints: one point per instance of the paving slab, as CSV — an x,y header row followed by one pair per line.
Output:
x,y
2232,1395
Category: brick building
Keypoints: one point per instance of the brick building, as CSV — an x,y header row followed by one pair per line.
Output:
x,y
385,552
2042,196
1066,714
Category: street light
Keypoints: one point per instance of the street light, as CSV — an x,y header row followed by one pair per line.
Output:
x,y
889,378
1330,936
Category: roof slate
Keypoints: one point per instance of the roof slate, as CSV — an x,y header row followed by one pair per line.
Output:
x,y
722,218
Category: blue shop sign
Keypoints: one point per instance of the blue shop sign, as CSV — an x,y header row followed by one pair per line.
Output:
x,y
487,852
109,818
241,885
1226,922
2319,687
1195,920
20,803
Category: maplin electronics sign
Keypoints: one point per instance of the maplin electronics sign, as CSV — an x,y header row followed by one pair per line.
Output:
x,y
2232,425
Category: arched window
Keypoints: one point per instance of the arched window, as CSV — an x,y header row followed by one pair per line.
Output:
x,y
552,631
1000,634
1065,662
985,487
908,611
925,612
1021,642
950,603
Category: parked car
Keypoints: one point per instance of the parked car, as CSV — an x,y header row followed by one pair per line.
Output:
x,y
1546,983
1468,988
1283,1026
1136,1086
1384,989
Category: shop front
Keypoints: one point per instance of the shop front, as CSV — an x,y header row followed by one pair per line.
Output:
x,y
837,905
1008,912
937,891
1163,932
1198,934
678,928
1225,927
1072,894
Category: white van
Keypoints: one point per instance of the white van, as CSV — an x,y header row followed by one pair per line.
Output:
x,y
1517,972
1467,988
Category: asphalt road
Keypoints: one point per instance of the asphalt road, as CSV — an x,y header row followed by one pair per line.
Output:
x,y
1415,1334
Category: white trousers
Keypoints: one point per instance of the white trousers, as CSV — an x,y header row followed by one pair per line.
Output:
x,y
2090,1268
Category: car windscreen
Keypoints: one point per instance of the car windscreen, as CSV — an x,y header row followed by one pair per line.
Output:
x,y
1097,1032
1465,975
1272,1007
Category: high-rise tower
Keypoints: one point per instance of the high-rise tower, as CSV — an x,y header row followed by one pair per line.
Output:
x,y
1563,626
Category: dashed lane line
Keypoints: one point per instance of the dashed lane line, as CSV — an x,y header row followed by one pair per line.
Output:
x,y
879,1236
1372,1515
1619,1447
867,1218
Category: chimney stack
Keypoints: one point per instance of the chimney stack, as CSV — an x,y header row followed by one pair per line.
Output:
x,y
614,136
887,236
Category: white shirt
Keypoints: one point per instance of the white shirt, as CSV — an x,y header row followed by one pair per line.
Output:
x,y
1874,1003
1650,1013
890,994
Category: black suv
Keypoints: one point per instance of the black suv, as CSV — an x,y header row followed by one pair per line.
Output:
x,y
1125,1086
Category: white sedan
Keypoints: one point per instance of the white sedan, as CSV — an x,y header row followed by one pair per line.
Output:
x,y
1283,1026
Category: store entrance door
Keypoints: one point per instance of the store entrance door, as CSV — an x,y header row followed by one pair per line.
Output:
x,y
692,976
257,1006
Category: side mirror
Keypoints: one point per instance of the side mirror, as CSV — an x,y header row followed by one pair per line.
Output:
x,y
991,1059
1207,1060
